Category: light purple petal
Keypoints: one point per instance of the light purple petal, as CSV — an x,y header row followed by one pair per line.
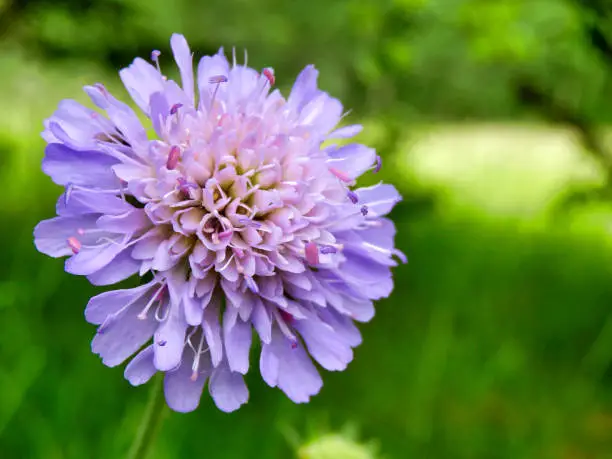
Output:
x,y
50,236
237,338
228,389
182,392
87,168
122,336
184,59
108,303
353,159
141,369
380,199
325,344
141,79
120,268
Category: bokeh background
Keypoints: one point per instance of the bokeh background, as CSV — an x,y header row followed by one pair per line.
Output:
x,y
491,117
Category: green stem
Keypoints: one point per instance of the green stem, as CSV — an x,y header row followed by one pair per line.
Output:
x,y
151,421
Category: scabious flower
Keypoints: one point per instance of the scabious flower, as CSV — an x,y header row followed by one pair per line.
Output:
x,y
238,215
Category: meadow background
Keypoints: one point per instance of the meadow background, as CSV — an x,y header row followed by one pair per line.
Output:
x,y
492,119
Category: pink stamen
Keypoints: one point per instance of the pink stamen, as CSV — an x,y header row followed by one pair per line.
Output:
x,y
268,72
173,157
341,175
312,253
194,376
224,235
74,244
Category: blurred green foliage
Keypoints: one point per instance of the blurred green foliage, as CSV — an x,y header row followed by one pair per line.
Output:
x,y
498,340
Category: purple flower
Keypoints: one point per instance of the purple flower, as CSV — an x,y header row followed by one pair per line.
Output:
x,y
241,217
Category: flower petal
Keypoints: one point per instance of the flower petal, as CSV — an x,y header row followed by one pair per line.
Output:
x,y
184,59
228,389
141,369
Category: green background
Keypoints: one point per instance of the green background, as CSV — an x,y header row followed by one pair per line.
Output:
x,y
491,119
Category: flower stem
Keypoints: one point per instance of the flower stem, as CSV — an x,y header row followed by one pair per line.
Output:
x,y
151,421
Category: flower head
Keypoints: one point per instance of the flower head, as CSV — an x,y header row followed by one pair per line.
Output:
x,y
237,213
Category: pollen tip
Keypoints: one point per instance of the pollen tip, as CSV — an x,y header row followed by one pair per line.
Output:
x,y
162,342
364,210
194,376
155,55
74,244
175,108
268,72
353,197
294,344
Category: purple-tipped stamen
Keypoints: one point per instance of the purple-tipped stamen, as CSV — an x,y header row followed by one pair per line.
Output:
x,y
353,197
312,253
364,210
162,342
173,157
175,108
155,55
378,164
217,79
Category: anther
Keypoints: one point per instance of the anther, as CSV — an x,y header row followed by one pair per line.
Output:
x,y
364,210
312,253
74,244
328,249
353,197
378,164
341,175
184,185
173,157
217,79
175,108
268,72
162,342
294,344
155,55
